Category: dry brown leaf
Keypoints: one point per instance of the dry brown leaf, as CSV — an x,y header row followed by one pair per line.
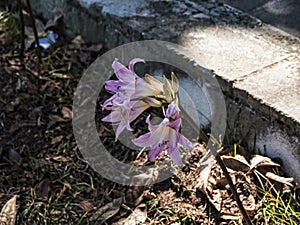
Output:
x,y
102,129
258,160
61,75
138,216
42,188
216,199
8,213
203,179
56,139
284,180
56,118
10,107
61,158
249,205
86,205
67,112
237,163
150,195
107,211
231,217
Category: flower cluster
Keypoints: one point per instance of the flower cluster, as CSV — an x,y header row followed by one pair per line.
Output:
x,y
132,95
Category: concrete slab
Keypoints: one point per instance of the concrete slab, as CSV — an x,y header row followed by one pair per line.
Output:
x,y
277,85
225,49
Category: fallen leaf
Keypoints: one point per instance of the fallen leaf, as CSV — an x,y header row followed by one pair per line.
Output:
x,y
102,129
237,163
56,139
231,217
284,180
258,160
42,189
86,205
138,216
61,75
8,213
61,158
216,199
107,211
203,179
66,112
10,107
57,118
150,195
78,40
249,205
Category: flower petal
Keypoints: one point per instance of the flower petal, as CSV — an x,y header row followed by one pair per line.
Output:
x,y
133,62
175,156
137,108
172,150
152,138
154,82
153,102
123,124
154,152
143,140
175,124
172,111
113,117
184,142
114,85
122,72
143,89
150,126
175,82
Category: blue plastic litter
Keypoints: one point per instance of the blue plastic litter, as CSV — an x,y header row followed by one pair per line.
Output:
x,y
46,42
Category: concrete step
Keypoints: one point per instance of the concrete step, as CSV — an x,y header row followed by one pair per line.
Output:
x,y
257,65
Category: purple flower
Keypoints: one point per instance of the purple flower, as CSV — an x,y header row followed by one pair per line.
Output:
x,y
123,114
129,86
165,136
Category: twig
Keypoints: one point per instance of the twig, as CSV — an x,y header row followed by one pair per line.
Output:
x,y
22,30
222,165
34,31
233,190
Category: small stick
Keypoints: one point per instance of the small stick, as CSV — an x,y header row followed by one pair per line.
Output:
x,y
233,190
34,31
222,165
22,31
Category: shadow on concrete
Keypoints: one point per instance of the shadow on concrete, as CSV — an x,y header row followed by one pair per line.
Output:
x,y
283,14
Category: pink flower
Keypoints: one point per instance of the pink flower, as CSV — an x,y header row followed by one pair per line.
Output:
x,y
165,136
129,86
123,114
131,96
